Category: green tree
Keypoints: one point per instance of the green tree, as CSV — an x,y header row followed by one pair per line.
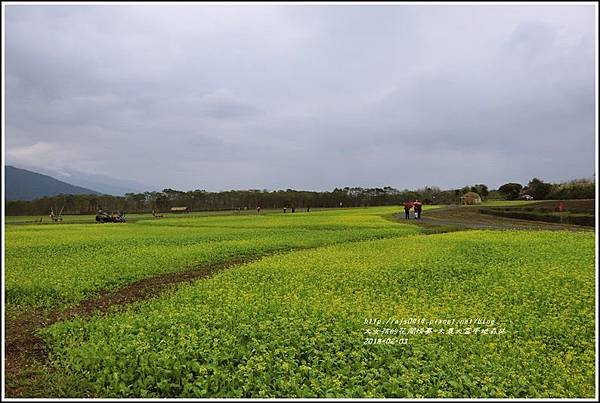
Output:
x,y
481,190
538,189
510,190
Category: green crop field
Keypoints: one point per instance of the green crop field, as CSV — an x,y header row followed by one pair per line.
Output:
x,y
59,265
342,303
86,218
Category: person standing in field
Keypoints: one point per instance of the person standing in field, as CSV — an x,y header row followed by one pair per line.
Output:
x,y
407,206
417,205
258,209
285,209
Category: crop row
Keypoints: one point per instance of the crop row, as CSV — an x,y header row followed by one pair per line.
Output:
x,y
298,324
59,265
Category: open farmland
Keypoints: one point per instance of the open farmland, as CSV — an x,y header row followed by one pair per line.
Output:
x,y
59,265
133,217
302,321
576,212
289,201
524,215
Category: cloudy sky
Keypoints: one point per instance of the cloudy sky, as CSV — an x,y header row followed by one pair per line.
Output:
x,y
309,96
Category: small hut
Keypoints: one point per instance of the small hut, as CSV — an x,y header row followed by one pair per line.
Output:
x,y
470,198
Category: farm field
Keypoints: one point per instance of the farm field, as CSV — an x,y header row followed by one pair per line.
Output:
x,y
59,265
522,215
304,310
133,217
576,212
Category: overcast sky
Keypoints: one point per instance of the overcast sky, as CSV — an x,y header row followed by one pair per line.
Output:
x,y
306,97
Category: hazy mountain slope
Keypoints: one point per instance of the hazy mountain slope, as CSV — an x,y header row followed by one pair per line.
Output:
x,y
22,184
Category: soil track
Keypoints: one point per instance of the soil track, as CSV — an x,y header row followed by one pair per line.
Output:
x,y
24,349
470,218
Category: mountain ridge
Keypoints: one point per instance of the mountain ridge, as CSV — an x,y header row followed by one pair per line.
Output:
x,y
23,184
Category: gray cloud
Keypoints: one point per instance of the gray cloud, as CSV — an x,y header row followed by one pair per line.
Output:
x,y
258,96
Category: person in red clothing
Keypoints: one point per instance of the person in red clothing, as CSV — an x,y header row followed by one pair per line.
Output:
x,y
407,206
417,205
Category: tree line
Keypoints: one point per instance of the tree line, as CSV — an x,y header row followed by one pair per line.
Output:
x,y
540,190
202,200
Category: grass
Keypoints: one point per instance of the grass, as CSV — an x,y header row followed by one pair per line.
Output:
x,y
293,324
493,203
576,212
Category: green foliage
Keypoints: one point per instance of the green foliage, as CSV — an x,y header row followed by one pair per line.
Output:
x,y
481,190
577,189
538,189
60,265
511,191
507,202
292,325
201,200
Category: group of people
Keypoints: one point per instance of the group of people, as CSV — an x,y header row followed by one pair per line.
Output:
x,y
285,209
416,205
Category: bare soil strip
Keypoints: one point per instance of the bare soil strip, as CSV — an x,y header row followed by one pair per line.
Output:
x,y
24,349
470,218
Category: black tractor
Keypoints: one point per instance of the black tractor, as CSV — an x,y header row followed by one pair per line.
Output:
x,y
103,217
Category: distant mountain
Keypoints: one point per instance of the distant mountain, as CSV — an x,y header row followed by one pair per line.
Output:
x,y
21,184
102,183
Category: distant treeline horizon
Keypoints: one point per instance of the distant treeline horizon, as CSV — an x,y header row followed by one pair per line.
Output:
x,y
202,200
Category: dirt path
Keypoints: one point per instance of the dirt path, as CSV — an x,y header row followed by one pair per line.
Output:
x,y
470,218
25,350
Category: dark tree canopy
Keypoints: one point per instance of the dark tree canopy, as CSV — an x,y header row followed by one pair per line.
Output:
x,y
538,189
511,190
202,200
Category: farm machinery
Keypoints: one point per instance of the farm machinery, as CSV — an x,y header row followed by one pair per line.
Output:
x,y
56,217
103,217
